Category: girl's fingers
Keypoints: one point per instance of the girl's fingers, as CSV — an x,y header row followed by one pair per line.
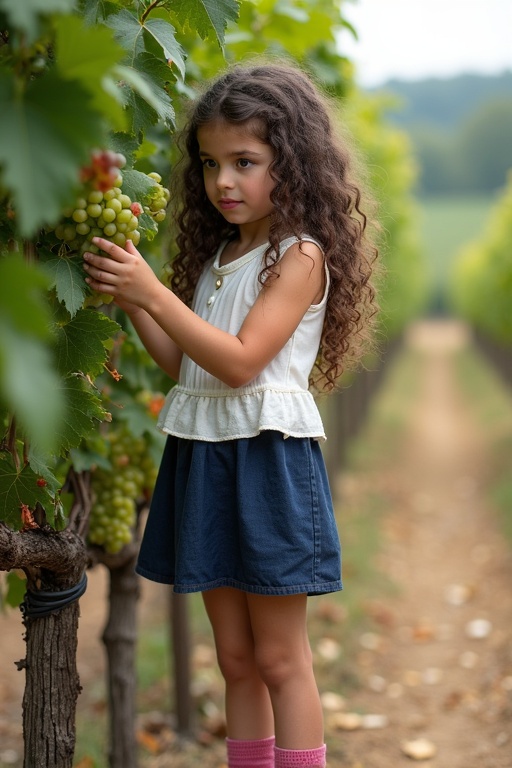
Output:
x,y
99,268
116,252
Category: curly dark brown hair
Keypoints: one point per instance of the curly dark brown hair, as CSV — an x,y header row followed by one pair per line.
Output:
x,y
314,194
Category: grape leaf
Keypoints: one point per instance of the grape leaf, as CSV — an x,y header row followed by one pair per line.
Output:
x,y
127,145
138,185
129,33
68,278
135,416
148,226
39,463
81,342
19,487
164,34
84,460
23,296
16,588
41,153
29,384
206,16
84,53
87,54
142,115
25,16
150,91
83,412
156,68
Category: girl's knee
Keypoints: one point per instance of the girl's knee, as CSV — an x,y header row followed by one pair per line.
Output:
x,y
278,665
236,662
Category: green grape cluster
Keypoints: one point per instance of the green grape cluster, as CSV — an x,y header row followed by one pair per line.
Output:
x,y
100,214
158,200
116,492
102,209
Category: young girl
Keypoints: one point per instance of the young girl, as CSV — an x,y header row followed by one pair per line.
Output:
x,y
271,292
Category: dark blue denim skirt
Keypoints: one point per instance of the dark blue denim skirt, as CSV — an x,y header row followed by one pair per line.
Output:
x,y
254,514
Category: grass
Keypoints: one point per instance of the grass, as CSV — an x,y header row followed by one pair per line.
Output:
x,y
491,400
449,223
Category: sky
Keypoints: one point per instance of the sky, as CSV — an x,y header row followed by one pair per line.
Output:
x,y
415,39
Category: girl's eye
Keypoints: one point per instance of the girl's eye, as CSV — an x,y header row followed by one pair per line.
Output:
x,y
208,163
244,163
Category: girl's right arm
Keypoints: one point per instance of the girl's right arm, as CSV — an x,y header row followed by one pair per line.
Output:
x,y
166,354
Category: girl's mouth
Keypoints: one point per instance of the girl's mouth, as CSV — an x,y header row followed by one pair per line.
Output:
x,y
227,204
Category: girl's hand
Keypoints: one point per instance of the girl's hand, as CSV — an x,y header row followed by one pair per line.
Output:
x,y
124,274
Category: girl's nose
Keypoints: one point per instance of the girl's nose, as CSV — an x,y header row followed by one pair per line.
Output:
x,y
224,179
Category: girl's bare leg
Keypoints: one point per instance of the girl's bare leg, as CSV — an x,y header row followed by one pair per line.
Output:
x,y
248,706
284,660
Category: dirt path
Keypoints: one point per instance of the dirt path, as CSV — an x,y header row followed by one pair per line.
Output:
x,y
424,674
440,669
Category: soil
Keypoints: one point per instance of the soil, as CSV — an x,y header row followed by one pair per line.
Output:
x,y
437,670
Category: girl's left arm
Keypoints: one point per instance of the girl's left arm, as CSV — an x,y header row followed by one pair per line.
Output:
x,y
234,359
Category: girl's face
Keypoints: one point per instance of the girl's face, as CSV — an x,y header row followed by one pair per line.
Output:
x,y
236,174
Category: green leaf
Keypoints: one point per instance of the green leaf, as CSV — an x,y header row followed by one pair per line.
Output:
x,y
143,117
29,385
148,226
127,145
81,343
150,91
25,16
128,32
83,412
18,487
138,185
68,278
84,460
41,151
164,34
23,296
208,17
39,463
137,419
87,54
84,53
158,70
16,588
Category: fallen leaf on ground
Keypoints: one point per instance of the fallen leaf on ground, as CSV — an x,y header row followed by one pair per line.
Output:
x,y
478,629
458,594
328,649
333,702
345,721
370,722
419,749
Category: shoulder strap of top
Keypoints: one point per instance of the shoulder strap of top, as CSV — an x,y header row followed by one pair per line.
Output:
x,y
287,242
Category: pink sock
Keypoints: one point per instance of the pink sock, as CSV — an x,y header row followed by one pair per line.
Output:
x,y
300,758
258,753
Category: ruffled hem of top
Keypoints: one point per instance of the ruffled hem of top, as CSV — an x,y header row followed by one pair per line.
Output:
x,y
214,417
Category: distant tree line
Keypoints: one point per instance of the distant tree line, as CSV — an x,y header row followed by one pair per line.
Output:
x,y
461,129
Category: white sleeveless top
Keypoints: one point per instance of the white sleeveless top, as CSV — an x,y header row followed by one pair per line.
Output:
x,y
201,407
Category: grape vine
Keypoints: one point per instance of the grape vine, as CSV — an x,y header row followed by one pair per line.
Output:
x,y
116,490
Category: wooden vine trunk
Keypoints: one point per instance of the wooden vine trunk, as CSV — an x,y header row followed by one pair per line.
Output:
x,y
54,562
120,639
51,690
